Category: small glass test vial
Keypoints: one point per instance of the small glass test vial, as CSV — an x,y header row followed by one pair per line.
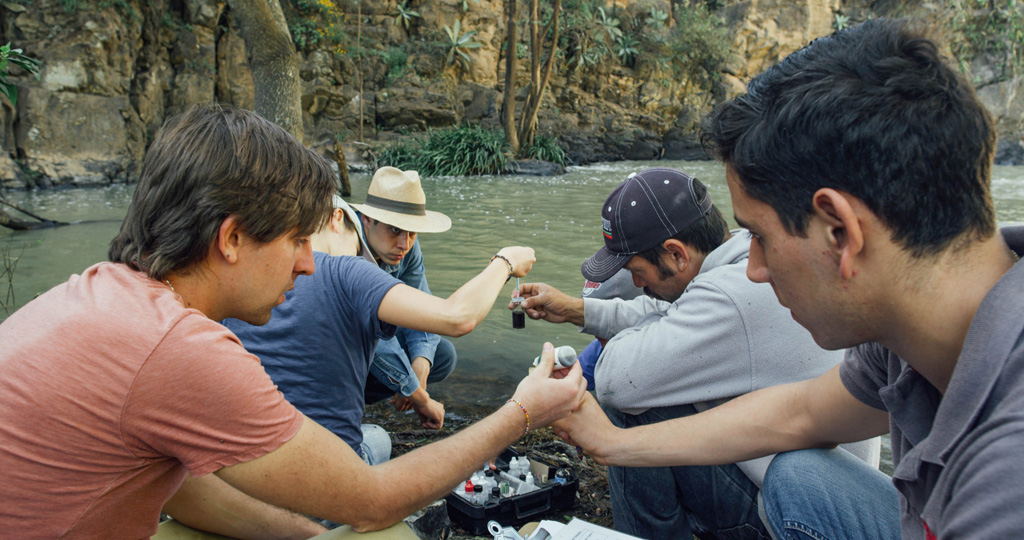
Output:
x,y
518,315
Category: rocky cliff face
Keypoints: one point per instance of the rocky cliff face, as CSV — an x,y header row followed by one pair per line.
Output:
x,y
112,71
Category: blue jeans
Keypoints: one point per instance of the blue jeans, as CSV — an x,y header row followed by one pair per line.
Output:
x,y
678,502
828,495
392,373
376,446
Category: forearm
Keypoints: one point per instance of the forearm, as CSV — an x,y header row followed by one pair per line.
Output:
x,y
726,434
471,303
429,472
421,368
815,413
210,504
316,473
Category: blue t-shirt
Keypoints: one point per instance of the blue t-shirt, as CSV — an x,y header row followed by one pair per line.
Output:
x,y
318,344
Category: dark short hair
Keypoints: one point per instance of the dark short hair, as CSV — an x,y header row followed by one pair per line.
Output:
x,y
211,162
874,111
704,235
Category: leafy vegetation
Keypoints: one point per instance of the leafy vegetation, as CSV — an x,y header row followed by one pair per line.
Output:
x,y
840,22
691,48
17,57
397,60
458,43
547,149
122,6
404,14
988,26
317,23
698,45
458,151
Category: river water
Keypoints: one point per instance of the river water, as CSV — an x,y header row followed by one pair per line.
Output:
x,y
558,216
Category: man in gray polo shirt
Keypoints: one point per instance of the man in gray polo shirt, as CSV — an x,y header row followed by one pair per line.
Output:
x,y
861,165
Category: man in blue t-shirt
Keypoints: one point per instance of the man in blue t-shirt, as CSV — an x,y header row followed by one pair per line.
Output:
x,y
319,343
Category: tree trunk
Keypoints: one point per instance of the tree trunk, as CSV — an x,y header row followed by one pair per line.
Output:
x,y
508,114
346,184
538,77
11,222
359,56
273,62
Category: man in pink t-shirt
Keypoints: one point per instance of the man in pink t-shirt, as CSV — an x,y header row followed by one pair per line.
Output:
x,y
120,394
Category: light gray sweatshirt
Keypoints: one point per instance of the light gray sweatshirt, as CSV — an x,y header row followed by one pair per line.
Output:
x,y
723,337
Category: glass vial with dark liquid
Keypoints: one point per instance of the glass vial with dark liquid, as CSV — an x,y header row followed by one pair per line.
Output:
x,y
518,315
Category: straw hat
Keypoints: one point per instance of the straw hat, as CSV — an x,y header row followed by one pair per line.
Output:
x,y
395,197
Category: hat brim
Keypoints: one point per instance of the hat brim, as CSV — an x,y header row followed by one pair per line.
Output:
x,y
432,222
602,265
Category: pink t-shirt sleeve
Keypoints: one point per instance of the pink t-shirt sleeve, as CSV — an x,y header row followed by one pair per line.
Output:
x,y
201,398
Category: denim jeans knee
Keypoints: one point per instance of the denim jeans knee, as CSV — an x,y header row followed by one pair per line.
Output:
x,y
829,495
376,446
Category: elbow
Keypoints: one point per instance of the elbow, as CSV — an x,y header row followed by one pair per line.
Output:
x,y
366,524
459,323
374,518
462,327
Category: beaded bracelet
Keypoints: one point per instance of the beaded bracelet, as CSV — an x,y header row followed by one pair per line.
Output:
x,y
524,412
509,263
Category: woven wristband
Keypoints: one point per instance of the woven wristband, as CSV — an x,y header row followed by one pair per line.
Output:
x,y
502,257
524,412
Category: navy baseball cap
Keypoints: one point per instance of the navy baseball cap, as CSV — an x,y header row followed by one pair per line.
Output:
x,y
650,207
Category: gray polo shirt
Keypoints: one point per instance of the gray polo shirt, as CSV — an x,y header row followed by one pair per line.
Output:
x,y
960,458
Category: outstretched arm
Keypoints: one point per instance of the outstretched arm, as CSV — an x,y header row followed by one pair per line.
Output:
x,y
458,314
819,412
316,473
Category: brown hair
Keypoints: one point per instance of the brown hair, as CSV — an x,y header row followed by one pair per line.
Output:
x,y
212,162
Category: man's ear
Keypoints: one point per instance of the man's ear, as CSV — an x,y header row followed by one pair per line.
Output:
x,y
679,251
230,238
842,225
338,220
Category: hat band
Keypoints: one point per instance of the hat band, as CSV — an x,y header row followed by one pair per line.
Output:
x,y
392,205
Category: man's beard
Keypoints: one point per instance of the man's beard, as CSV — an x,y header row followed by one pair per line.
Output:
x,y
652,294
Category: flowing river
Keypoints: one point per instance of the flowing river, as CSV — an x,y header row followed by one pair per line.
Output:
x,y
558,216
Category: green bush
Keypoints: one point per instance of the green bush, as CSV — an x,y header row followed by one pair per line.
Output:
x,y
458,151
396,58
988,26
317,23
547,149
699,44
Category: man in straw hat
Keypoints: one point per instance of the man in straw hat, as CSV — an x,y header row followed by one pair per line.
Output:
x,y
393,214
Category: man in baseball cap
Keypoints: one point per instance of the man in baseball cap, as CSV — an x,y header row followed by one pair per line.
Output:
x,y
703,334
394,213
